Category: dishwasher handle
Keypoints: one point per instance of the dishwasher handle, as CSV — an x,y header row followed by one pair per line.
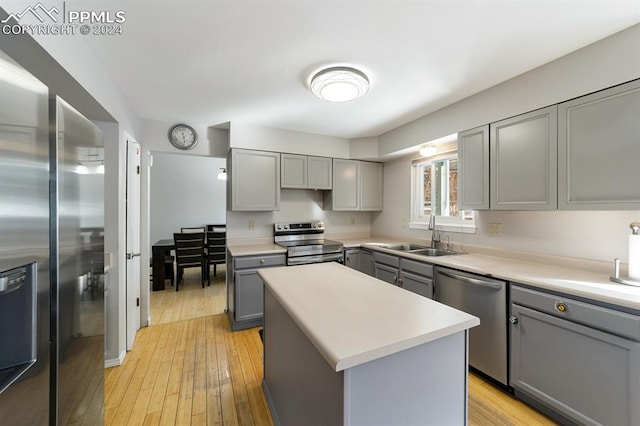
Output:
x,y
469,280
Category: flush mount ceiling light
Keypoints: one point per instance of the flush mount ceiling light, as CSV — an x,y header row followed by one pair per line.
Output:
x,y
428,150
339,84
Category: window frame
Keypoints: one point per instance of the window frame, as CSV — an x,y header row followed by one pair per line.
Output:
x,y
444,223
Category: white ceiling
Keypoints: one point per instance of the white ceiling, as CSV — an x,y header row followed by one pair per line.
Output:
x,y
210,62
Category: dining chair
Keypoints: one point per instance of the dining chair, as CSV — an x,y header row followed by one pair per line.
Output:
x,y
189,254
216,228
216,251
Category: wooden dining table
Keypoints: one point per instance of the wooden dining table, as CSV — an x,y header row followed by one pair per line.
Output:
x,y
159,250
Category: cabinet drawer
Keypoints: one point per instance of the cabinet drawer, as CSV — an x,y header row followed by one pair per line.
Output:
x,y
386,259
259,261
416,267
606,319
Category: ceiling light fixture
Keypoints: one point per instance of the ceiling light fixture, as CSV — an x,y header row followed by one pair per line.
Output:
x,y
428,150
339,84
222,174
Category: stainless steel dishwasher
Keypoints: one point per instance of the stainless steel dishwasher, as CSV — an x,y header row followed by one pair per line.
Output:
x,y
486,298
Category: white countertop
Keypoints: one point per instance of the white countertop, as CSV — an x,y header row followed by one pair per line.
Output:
x,y
259,248
352,318
575,282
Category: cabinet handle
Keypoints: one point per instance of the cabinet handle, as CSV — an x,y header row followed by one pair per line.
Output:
x,y
560,307
513,319
400,283
261,261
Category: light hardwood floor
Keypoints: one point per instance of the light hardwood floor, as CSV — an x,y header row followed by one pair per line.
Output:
x,y
191,301
195,371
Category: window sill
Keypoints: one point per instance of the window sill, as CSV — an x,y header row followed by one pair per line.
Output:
x,y
446,227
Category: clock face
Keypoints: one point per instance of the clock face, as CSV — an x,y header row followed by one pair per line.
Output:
x,y
183,136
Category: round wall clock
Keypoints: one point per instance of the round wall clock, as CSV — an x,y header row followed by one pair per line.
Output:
x,y
183,137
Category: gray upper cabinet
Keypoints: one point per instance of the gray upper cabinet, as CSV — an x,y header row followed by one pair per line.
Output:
x,y
357,185
473,160
255,180
371,181
599,150
319,173
305,172
523,159
346,185
293,171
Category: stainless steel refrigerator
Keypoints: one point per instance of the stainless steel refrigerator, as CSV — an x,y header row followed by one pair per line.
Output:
x,y
51,257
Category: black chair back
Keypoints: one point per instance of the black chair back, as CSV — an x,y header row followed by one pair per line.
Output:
x,y
189,253
193,230
216,250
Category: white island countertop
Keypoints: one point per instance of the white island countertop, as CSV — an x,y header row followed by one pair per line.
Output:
x,y
352,318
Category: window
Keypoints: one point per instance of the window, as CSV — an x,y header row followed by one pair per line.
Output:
x,y
435,192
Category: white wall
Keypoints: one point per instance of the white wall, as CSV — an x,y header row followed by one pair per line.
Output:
x,y
212,142
263,138
297,205
595,235
185,192
608,62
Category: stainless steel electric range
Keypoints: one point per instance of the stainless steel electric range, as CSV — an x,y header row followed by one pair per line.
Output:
x,y
305,243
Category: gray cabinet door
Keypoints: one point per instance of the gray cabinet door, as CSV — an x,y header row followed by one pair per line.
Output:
x,y
599,150
473,169
366,263
255,180
417,284
587,375
249,295
386,273
319,173
353,258
346,185
523,153
293,171
371,182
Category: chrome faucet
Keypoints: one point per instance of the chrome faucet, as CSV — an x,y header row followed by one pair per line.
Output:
x,y
435,237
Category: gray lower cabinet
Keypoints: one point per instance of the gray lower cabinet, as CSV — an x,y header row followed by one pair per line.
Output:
x,y
367,265
578,361
245,289
352,258
409,274
598,150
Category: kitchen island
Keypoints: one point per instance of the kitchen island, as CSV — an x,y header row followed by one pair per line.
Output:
x,y
341,347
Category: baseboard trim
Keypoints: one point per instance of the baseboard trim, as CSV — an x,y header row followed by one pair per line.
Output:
x,y
115,362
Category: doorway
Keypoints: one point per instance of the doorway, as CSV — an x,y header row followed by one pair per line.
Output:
x,y
184,191
133,241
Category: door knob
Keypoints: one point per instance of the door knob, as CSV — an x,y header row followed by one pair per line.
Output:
x,y
513,319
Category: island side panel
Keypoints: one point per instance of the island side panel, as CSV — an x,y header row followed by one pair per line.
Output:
x,y
425,385
300,385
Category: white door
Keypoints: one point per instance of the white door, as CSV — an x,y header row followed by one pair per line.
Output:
x,y
133,241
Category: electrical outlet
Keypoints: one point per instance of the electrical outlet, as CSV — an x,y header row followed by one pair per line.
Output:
x,y
495,229
252,224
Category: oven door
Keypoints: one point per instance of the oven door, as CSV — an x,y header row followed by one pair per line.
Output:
x,y
326,257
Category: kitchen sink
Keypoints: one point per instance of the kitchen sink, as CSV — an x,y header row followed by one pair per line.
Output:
x,y
422,250
434,252
407,247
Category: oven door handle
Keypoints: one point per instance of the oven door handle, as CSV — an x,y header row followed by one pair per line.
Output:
x,y
302,260
469,280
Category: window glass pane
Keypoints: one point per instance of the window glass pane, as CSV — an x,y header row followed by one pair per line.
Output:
x,y
453,187
426,185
